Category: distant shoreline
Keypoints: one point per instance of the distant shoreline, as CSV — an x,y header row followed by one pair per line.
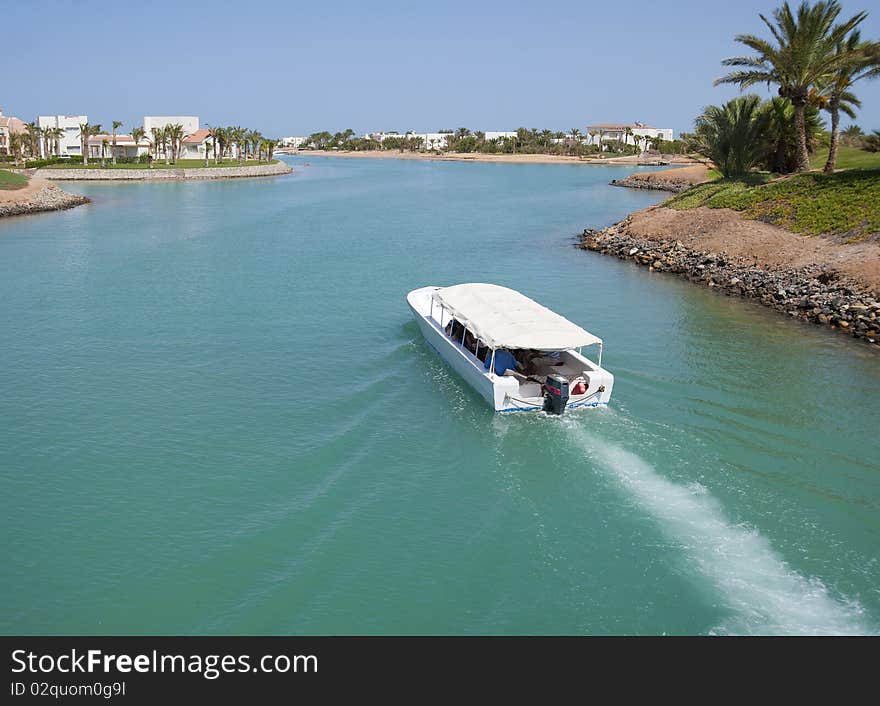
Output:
x,y
480,157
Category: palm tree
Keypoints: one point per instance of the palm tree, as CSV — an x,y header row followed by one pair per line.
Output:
x,y
175,136
84,141
863,62
16,141
270,149
780,136
254,138
157,138
33,139
732,135
57,133
214,134
162,134
207,152
137,134
85,132
104,143
802,56
116,125
575,139
239,137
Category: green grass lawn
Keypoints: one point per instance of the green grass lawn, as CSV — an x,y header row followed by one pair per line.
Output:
x,y
10,180
847,158
160,164
844,203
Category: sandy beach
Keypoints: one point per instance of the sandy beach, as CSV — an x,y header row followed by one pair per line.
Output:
x,y
479,157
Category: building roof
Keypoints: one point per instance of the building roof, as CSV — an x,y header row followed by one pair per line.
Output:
x,y
12,124
198,137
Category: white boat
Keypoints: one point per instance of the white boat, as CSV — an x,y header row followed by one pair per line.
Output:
x,y
517,354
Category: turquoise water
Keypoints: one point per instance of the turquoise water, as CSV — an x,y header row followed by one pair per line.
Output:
x,y
218,417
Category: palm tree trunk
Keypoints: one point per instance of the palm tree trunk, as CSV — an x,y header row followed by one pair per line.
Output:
x,y
803,156
835,134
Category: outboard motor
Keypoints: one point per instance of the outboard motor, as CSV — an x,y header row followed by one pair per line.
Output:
x,y
555,394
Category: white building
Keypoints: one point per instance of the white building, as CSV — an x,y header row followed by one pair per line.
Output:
x,y
292,142
194,145
190,123
125,146
625,133
430,140
500,135
69,145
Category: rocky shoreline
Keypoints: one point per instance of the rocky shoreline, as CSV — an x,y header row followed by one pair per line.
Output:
x,y
814,293
633,182
177,174
47,198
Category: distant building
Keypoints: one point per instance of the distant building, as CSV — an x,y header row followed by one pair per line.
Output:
x,y
292,142
500,135
8,126
190,123
193,146
434,140
429,140
125,146
625,133
70,143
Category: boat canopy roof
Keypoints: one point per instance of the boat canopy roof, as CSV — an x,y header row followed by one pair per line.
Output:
x,y
504,318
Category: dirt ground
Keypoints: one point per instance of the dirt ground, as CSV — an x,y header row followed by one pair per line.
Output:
x,y
724,230
691,175
23,194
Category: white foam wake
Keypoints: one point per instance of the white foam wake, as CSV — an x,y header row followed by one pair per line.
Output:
x,y
763,594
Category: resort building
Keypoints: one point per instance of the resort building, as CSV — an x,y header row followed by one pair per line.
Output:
x,y
434,140
125,146
190,123
69,143
193,146
8,126
500,135
292,142
430,140
625,133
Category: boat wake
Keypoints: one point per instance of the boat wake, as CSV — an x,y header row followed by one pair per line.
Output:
x,y
763,594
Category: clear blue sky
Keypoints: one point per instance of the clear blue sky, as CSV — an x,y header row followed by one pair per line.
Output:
x,y
293,68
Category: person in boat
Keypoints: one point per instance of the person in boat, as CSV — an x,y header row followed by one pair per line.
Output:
x,y
453,329
528,360
504,360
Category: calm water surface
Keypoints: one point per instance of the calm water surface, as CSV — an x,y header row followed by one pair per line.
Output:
x,y
218,417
